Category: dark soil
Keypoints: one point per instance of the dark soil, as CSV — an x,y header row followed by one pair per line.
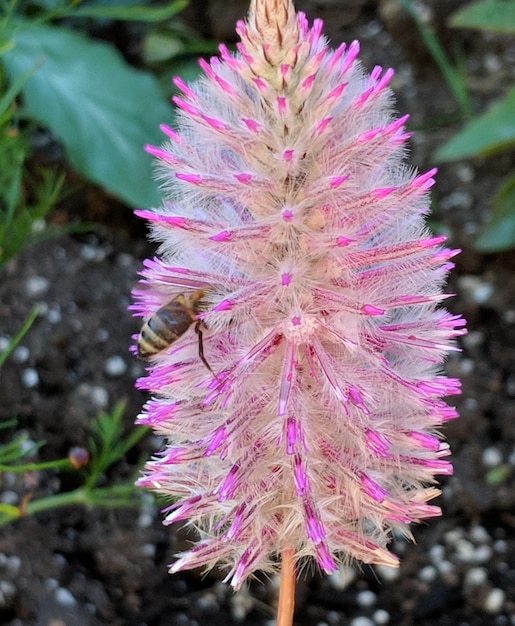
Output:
x,y
99,566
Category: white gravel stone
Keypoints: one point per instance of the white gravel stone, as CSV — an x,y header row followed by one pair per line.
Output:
x,y
465,173
115,366
64,597
436,553
4,343
30,378
361,621
466,366
54,315
478,289
482,554
474,339
387,574
36,286
21,354
479,534
475,577
7,591
13,564
492,457
494,601
99,396
501,546
366,598
445,568
464,551
342,578
381,617
428,574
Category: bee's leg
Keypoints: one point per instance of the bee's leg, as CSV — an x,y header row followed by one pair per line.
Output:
x,y
198,330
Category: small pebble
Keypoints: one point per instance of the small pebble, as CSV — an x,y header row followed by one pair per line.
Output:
x,y
5,342
54,315
93,253
21,354
428,574
494,601
30,378
475,577
500,546
387,574
99,396
13,564
64,597
36,286
115,366
437,552
479,534
361,621
466,366
7,591
381,617
464,551
473,340
445,568
465,173
482,554
366,598
470,404
477,288
342,578
102,335
492,457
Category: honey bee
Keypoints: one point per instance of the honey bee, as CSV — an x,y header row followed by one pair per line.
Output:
x,y
169,323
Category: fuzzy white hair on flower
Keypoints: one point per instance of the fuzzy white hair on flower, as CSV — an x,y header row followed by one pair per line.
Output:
x,y
289,207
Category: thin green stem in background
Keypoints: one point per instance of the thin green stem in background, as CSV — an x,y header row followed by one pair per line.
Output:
x,y
453,76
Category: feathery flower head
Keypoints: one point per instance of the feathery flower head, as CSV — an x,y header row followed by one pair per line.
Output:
x,y
294,233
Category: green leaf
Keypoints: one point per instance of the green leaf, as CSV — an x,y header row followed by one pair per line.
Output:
x,y
499,233
129,13
492,15
492,132
101,109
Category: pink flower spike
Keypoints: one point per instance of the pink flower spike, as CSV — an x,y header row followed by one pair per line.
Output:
x,y
295,311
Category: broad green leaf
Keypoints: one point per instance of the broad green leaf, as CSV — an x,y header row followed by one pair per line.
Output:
x,y
492,132
130,13
489,15
499,233
101,109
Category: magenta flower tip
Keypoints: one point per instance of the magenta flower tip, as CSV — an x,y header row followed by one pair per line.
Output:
x,y
294,314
